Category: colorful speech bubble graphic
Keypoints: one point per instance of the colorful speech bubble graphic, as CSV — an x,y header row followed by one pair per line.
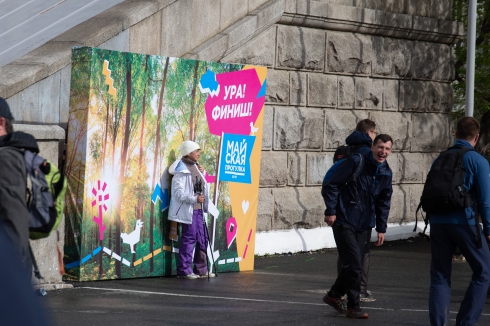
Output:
x,y
236,100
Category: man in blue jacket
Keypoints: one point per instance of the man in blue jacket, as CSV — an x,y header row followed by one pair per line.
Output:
x,y
353,208
457,228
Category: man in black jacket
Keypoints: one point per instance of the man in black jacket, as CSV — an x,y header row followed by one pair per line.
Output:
x,y
13,181
353,208
362,140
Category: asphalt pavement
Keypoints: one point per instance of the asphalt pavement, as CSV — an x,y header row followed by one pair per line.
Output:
x,y
282,290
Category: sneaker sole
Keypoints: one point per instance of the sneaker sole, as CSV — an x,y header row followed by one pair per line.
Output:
x,y
367,299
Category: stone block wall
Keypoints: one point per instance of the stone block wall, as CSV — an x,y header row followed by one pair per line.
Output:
x,y
323,79
336,79
330,64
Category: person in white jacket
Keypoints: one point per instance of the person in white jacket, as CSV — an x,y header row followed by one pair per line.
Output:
x,y
188,202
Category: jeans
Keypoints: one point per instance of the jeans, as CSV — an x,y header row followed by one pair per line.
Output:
x,y
444,239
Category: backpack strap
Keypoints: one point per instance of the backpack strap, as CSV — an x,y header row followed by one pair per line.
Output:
x,y
461,149
425,219
360,166
464,150
39,188
355,175
357,171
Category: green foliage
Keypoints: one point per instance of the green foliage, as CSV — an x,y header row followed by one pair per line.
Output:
x,y
482,59
118,136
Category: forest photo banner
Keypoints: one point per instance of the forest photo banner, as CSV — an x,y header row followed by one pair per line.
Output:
x,y
129,113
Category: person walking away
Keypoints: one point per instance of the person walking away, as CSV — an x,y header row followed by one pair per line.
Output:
x,y
459,229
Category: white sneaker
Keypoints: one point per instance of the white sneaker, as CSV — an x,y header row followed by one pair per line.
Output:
x,y
211,275
366,297
189,276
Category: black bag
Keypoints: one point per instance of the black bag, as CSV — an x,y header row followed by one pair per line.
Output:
x,y
344,152
444,191
352,178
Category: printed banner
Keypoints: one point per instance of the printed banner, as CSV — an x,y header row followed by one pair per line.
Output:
x,y
235,158
236,100
129,113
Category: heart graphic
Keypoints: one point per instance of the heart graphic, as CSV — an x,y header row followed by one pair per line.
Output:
x,y
245,205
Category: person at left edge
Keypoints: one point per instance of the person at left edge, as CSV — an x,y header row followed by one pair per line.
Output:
x,y
13,182
188,207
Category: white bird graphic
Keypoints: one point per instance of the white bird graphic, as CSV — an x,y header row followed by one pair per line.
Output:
x,y
253,130
134,237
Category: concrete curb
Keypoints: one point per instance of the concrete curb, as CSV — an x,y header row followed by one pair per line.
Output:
x,y
296,240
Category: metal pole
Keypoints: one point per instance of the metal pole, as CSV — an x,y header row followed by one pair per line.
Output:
x,y
470,58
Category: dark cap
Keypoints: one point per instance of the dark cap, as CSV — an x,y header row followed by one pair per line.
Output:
x,y
5,110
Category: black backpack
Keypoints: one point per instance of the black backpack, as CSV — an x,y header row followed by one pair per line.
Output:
x,y
353,177
344,152
444,191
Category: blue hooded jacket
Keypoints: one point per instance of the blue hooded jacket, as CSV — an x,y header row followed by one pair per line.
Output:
x,y
477,184
357,138
365,203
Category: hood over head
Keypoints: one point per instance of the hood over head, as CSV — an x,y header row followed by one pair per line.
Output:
x,y
359,138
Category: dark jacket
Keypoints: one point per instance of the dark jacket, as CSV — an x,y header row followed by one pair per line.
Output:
x,y
13,183
359,139
477,184
365,203
19,306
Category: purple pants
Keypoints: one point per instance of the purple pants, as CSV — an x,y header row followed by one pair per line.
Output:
x,y
193,234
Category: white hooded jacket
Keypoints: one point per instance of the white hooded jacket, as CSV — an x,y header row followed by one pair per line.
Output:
x,y
183,198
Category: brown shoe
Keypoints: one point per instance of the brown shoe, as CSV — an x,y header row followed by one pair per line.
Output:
x,y
336,303
356,312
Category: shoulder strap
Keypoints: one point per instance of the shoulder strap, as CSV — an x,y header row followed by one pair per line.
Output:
x,y
358,170
462,149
